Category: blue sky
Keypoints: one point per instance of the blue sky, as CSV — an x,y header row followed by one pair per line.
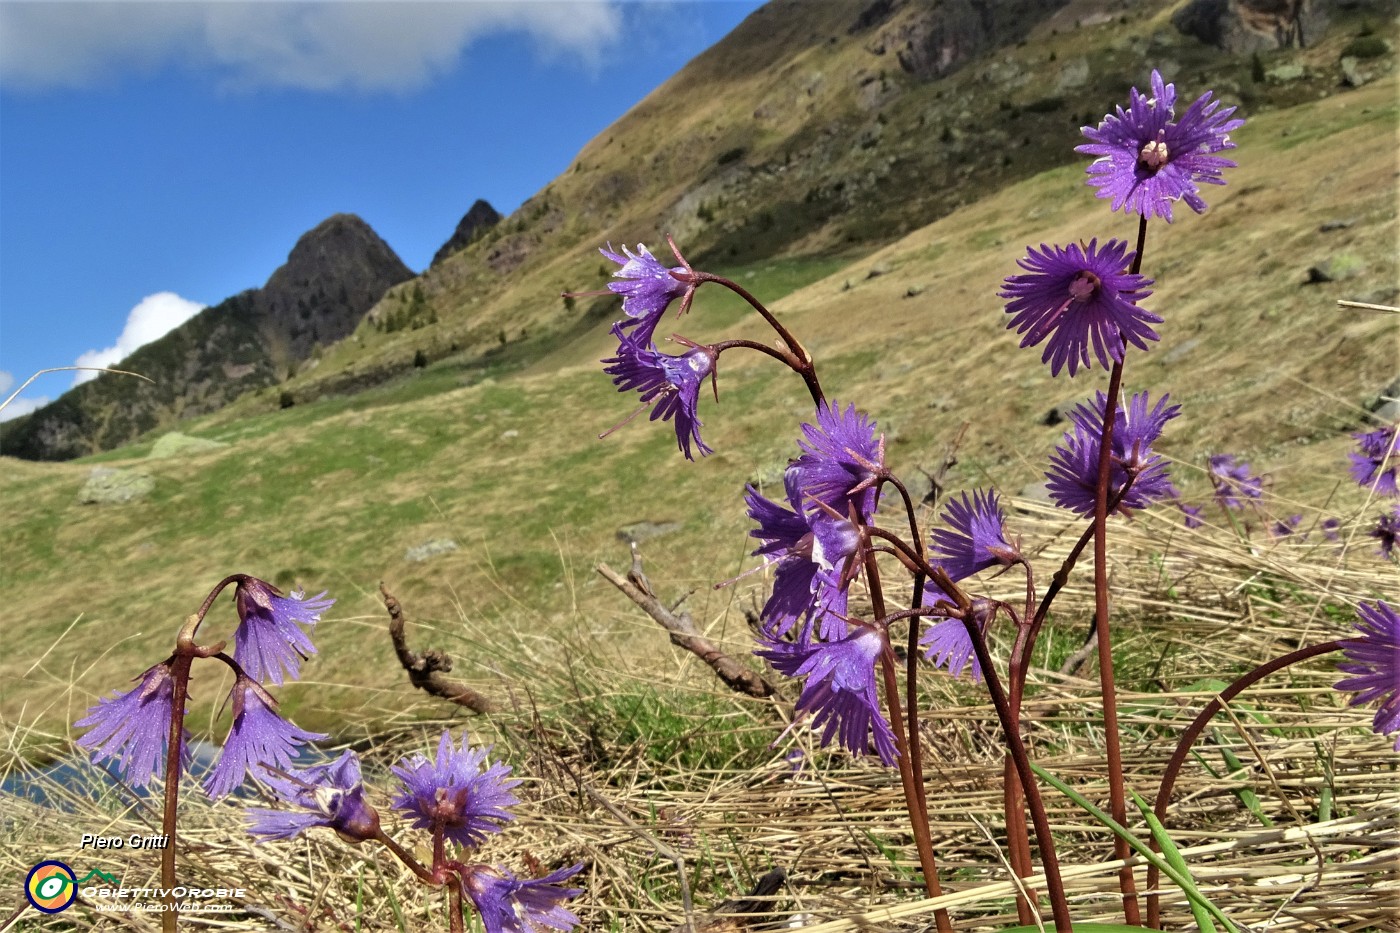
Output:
x,y
158,157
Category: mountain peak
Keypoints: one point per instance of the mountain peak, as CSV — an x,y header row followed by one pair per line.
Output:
x,y
334,274
480,217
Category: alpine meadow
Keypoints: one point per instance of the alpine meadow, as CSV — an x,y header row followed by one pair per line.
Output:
x,y
928,465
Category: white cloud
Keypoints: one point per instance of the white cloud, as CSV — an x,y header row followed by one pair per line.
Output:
x,y
367,46
155,316
20,406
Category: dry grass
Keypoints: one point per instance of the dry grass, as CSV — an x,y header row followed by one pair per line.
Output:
x,y
1189,606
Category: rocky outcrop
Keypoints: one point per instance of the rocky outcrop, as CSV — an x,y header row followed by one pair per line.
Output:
x,y
477,220
931,40
1252,25
333,275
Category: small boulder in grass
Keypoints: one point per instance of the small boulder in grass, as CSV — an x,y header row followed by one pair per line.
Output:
x,y
638,532
176,444
429,549
110,486
1034,492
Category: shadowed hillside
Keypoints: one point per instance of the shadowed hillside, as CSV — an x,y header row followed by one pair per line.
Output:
x,y
830,130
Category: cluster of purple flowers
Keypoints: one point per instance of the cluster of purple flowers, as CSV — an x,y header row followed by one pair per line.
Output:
x,y
1236,486
1078,298
461,797
1137,476
132,729
1374,466
1084,302
668,384
816,545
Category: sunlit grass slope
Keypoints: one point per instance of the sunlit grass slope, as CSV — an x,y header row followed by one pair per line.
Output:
x,y
504,458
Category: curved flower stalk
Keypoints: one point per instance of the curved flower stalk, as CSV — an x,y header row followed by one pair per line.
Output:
x,y
1371,658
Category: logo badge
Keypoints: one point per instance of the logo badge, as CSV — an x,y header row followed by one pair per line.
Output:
x,y
51,887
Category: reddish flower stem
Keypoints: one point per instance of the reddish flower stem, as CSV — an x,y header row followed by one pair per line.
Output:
x,y
1018,840
403,855
911,659
918,819
1113,751
180,681
1193,732
804,366
1059,906
186,650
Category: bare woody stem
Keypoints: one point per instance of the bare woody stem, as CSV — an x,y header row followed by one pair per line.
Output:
x,y
192,624
1193,732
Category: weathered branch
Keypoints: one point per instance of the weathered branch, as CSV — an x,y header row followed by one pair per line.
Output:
x,y
427,671
683,631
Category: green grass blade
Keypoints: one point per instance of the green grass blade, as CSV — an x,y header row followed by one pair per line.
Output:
x,y
1173,856
1188,887
1247,796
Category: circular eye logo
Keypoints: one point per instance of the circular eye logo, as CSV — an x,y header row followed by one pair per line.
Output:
x,y
51,886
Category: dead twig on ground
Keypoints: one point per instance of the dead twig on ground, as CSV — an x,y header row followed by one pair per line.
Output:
x,y
683,631
427,671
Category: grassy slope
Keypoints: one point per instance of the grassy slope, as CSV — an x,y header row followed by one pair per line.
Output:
x,y
790,137
330,494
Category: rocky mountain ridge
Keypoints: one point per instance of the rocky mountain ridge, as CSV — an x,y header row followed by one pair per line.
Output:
x,y
810,130
334,274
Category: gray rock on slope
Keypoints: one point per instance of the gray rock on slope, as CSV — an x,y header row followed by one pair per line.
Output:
x,y
108,486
